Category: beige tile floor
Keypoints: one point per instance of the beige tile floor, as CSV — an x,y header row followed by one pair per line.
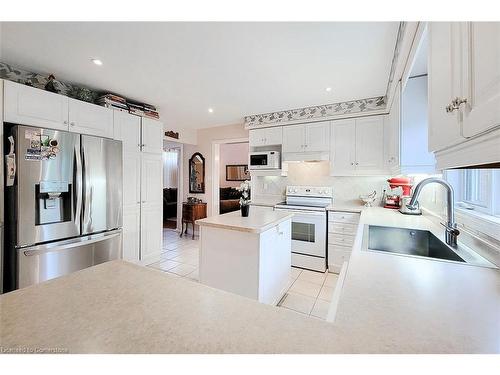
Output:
x,y
309,292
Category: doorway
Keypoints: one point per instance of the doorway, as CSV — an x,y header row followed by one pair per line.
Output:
x,y
172,178
230,169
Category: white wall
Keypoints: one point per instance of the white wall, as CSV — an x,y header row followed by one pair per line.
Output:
x,y
230,154
414,129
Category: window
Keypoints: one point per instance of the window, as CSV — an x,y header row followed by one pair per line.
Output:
x,y
477,189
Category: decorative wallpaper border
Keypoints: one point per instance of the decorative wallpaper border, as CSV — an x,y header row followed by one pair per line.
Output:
x,y
316,112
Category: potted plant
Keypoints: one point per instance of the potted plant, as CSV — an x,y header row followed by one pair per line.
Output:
x,y
245,198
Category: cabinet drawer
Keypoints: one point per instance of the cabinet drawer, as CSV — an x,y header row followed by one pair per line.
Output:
x,y
336,258
343,217
340,239
342,228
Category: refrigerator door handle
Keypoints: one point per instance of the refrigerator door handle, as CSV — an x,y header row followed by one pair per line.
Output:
x,y
68,244
78,185
87,186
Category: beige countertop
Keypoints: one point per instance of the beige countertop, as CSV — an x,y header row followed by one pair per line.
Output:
x,y
388,304
119,307
259,220
442,305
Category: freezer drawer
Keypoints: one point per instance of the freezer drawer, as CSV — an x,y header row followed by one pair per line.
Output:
x,y
44,262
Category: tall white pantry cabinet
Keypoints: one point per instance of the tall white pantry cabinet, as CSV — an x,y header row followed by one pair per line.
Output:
x,y
142,185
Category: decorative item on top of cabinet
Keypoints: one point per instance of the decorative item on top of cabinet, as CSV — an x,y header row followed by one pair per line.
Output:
x,y
172,134
197,173
190,213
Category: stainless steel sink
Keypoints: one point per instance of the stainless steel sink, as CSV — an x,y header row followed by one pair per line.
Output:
x,y
409,242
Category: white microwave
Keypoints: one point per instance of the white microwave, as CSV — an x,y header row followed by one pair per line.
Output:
x,y
264,160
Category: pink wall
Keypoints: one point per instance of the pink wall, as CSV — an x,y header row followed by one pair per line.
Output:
x,y
232,153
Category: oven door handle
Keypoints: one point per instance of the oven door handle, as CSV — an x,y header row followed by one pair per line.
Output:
x,y
302,212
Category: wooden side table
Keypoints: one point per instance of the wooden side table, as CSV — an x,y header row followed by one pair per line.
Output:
x,y
192,212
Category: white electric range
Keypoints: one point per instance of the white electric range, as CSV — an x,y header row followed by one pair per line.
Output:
x,y
309,224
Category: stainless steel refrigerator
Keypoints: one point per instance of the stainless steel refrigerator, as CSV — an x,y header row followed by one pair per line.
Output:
x,y
64,210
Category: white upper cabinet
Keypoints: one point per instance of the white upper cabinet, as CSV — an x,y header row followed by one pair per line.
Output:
x,y
152,136
317,136
482,77
343,147
293,138
370,144
30,106
357,147
127,128
312,137
464,81
91,119
444,70
266,137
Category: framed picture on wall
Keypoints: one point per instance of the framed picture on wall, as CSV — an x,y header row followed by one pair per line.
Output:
x,y
237,172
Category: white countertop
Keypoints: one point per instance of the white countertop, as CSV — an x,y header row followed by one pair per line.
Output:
x,y
389,298
259,220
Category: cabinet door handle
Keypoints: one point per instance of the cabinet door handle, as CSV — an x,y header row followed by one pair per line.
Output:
x,y
72,123
65,122
455,104
357,163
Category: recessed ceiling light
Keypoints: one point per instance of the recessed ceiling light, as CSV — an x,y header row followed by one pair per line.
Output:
x,y
210,110
96,61
328,89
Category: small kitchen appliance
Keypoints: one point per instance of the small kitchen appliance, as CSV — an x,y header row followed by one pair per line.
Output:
x,y
309,223
264,160
399,187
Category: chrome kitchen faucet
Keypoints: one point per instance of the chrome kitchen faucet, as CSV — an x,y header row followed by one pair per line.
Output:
x,y
451,231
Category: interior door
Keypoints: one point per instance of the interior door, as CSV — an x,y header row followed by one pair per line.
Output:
x,y
370,144
317,136
293,138
102,184
482,77
342,153
151,205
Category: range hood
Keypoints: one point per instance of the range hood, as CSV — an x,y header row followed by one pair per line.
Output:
x,y
306,156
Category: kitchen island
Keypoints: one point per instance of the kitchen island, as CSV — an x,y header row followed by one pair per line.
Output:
x,y
249,256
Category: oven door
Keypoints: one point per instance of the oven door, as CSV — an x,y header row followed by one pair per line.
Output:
x,y
308,232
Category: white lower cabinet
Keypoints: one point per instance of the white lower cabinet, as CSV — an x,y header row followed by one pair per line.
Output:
x,y
342,228
132,233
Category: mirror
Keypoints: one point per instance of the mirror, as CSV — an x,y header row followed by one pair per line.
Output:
x,y
237,172
197,173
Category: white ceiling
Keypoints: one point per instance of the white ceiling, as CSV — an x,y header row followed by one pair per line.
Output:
x,y
237,69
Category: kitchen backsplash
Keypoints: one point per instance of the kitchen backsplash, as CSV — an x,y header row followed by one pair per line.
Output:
x,y
346,189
